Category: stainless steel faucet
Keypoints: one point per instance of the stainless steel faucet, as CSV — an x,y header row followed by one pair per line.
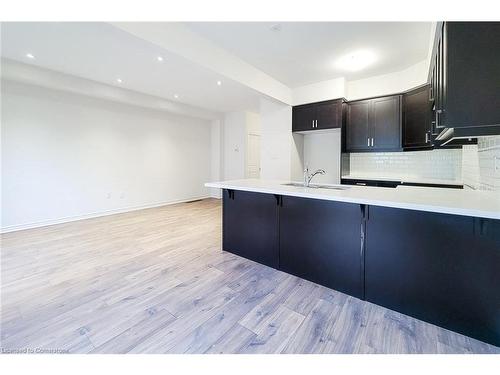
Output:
x,y
308,177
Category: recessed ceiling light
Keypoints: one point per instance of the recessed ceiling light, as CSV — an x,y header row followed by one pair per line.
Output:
x,y
357,60
219,83
119,80
30,56
276,27
159,58
176,96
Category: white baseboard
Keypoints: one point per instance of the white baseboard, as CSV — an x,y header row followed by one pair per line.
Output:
x,y
67,219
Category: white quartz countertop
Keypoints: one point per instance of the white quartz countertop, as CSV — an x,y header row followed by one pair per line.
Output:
x,y
485,204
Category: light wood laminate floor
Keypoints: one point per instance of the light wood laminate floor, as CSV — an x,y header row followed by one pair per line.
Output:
x,y
156,281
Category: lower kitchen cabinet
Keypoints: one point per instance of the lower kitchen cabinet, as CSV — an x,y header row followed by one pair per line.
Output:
x,y
320,241
444,269
250,226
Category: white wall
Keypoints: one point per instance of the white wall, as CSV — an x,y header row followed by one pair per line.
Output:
x,y
322,151
316,92
236,128
297,157
481,164
385,84
67,156
216,140
391,83
234,135
276,140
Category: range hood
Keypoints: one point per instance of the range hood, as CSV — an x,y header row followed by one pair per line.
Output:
x,y
464,135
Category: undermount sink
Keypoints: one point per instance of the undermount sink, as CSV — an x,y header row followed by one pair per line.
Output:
x,y
317,186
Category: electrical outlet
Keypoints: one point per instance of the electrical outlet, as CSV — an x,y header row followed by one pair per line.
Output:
x,y
108,196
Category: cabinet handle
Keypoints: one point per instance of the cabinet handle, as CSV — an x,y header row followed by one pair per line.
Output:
x,y
368,142
426,137
372,142
313,123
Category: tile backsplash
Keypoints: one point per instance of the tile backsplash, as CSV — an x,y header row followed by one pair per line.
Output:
x,y
432,164
481,164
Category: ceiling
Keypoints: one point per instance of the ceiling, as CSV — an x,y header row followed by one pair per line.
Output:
x,y
293,53
300,53
103,53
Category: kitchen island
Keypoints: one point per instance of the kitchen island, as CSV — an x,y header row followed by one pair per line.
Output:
x,y
431,253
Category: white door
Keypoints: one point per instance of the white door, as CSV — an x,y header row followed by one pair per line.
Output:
x,y
253,156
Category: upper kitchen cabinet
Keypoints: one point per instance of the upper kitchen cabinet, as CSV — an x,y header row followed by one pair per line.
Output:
x,y
303,118
374,124
318,116
385,123
330,114
357,128
417,118
465,79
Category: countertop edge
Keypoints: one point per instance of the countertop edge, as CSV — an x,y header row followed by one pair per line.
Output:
x,y
423,181
367,201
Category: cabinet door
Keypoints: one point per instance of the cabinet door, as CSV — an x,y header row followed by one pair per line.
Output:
x,y
303,117
443,269
471,74
250,226
385,123
329,115
357,126
320,241
417,118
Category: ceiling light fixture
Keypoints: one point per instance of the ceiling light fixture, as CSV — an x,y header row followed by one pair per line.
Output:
x,y
159,58
176,96
119,80
30,56
219,83
356,60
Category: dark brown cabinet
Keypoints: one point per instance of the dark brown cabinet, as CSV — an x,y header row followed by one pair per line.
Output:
x,y
440,268
329,115
303,118
417,119
357,127
465,75
250,226
374,124
438,73
320,241
386,123
317,116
